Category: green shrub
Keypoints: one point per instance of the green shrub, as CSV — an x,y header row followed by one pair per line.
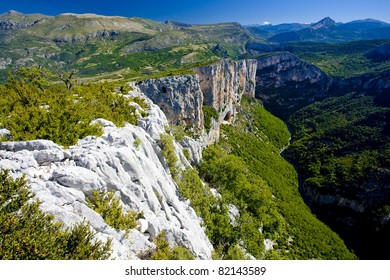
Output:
x,y
111,211
168,151
32,108
235,253
163,250
27,233
209,113
178,132
137,142
186,153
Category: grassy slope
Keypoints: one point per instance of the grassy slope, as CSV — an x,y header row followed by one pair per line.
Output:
x,y
140,48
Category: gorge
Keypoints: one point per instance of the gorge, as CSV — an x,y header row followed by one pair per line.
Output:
x,y
63,178
228,151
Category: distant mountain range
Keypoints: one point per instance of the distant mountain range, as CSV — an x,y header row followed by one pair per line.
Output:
x,y
326,30
133,48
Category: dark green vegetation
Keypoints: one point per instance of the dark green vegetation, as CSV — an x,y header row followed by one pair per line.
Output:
x,y
298,234
340,145
341,59
163,251
27,233
209,113
341,149
32,108
168,151
246,169
108,206
115,48
214,212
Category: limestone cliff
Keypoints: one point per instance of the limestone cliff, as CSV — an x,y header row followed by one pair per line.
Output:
x,y
13,25
285,83
223,84
220,85
180,98
126,160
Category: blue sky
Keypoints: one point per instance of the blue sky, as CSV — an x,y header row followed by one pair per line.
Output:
x,y
209,11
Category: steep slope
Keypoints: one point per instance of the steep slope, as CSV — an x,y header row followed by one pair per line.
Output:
x,y
247,169
339,145
285,83
340,149
125,160
219,87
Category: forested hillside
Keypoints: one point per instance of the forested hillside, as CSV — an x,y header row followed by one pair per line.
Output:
x,y
341,151
247,169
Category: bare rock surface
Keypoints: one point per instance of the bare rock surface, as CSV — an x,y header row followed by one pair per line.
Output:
x,y
62,179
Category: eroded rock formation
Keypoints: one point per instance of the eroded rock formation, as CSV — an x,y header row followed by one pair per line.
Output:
x,y
135,170
220,85
180,98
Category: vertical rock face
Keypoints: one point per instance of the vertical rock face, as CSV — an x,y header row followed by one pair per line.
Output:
x,y
284,82
125,160
220,85
179,97
224,83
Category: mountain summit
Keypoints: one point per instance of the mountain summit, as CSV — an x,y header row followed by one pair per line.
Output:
x,y
327,30
324,23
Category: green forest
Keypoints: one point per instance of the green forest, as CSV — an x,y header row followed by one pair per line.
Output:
x,y
340,148
246,168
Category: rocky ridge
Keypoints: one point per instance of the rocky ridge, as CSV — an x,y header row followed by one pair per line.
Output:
x,y
13,25
220,86
63,178
129,161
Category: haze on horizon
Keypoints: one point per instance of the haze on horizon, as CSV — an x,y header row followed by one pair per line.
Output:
x,y
215,11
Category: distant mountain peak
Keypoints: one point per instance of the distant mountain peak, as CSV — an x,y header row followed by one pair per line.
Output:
x,y
325,22
172,22
13,12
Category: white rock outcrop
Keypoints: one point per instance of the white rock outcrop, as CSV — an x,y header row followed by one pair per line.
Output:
x,y
135,170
